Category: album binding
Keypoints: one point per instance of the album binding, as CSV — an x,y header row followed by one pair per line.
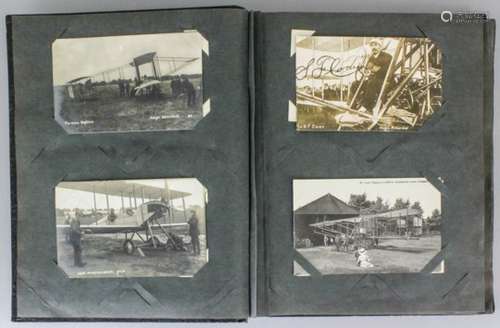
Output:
x,y
216,164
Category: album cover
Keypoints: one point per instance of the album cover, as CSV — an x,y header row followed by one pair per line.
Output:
x,y
213,164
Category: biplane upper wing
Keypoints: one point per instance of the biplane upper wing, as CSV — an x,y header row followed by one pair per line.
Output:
x,y
122,188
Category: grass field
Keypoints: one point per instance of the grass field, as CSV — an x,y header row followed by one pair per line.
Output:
x,y
104,257
107,111
392,256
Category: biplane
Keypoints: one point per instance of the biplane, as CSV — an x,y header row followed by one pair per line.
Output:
x,y
83,88
149,224
409,94
366,230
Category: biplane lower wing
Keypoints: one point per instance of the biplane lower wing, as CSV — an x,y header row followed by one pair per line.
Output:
x,y
114,229
146,84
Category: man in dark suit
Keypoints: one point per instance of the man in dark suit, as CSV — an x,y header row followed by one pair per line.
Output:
x,y
75,236
194,233
190,91
375,71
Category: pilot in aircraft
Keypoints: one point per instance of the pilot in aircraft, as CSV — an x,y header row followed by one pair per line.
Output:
x,y
75,236
375,71
194,233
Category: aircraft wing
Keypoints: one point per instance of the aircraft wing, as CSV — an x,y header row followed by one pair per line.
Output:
x,y
105,229
147,84
122,188
175,64
115,228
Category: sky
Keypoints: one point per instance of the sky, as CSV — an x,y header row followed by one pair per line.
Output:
x,y
414,189
77,57
66,198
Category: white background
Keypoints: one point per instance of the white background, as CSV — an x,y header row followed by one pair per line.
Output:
x,y
492,7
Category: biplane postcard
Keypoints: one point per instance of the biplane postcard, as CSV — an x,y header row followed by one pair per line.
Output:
x,y
346,226
366,83
131,228
146,82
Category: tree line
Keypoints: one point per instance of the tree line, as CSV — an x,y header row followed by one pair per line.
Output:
x,y
363,204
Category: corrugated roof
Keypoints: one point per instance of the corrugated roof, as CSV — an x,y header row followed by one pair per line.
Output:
x,y
327,205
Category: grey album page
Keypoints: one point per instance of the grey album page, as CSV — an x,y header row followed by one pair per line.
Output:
x,y
373,143
130,161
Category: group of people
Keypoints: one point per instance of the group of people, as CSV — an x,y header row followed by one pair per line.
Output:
x,y
124,87
342,243
182,85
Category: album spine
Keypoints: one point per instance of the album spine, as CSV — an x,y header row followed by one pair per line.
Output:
x,y
13,174
253,195
488,64
261,287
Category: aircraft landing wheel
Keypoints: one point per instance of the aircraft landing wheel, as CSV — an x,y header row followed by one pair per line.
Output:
x,y
128,246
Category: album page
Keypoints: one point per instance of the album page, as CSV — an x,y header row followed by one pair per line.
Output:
x,y
373,164
130,165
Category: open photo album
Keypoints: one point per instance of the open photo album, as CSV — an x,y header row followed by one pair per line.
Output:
x,y
215,164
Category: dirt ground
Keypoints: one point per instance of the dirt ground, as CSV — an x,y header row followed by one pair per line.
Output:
x,y
392,256
104,257
108,112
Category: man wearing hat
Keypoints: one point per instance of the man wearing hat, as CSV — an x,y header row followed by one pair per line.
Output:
x,y
194,233
75,237
375,71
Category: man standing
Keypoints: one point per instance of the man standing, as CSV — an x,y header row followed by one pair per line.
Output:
x,y
121,86
375,71
127,88
194,233
188,88
175,86
75,235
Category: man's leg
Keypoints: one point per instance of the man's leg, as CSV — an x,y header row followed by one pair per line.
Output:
x,y
191,99
371,92
75,254
196,245
193,243
79,255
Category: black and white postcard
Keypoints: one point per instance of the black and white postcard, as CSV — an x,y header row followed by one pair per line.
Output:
x,y
131,228
366,83
144,82
346,226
